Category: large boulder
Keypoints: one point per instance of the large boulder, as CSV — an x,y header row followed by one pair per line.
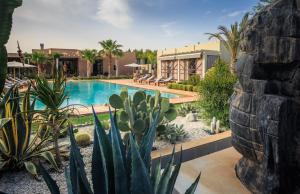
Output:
x,y
265,108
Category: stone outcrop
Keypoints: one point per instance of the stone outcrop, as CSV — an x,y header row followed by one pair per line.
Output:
x,y
265,108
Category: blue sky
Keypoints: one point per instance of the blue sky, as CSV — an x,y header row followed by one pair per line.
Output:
x,y
153,24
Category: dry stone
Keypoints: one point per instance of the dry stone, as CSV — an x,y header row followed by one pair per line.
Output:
x,y
265,108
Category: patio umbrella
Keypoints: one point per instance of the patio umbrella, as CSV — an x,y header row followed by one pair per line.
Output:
x,y
15,64
134,65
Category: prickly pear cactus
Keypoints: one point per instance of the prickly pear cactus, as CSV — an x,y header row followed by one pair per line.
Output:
x,y
6,11
136,113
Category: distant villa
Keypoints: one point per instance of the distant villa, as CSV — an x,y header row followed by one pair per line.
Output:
x,y
183,62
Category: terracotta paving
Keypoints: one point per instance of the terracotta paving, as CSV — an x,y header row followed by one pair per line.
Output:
x,y
185,96
217,174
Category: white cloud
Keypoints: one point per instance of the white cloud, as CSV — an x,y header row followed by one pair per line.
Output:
x,y
236,13
115,12
169,29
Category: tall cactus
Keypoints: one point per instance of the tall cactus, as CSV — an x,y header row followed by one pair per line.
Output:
x,y
137,114
7,8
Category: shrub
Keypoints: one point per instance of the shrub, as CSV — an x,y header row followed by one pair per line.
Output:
x,y
83,139
186,108
215,91
194,80
118,168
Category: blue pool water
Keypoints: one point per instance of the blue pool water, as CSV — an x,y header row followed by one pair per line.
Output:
x,y
89,93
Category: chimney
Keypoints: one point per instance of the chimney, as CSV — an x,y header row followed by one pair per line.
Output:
x,y
42,46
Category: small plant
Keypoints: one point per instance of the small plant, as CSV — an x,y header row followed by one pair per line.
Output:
x,y
194,80
215,91
187,108
117,168
173,133
137,113
17,148
55,115
83,139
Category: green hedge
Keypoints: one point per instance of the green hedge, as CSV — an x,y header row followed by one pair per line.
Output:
x,y
215,91
178,86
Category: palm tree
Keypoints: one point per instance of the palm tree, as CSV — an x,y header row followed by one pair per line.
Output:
x,y
110,49
90,56
231,38
52,58
39,58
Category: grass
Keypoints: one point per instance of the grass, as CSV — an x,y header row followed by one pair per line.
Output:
x,y
82,119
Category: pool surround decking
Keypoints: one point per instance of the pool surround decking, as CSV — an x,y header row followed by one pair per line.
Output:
x,y
185,96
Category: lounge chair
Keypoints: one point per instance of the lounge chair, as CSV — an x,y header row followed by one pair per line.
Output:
x,y
155,81
143,78
136,77
164,81
149,78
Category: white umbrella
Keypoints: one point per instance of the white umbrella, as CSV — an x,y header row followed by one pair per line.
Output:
x,y
135,65
16,64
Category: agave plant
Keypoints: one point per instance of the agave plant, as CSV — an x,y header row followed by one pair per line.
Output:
x,y
55,115
17,148
117,168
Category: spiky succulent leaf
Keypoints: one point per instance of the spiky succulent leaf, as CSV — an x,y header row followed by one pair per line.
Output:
x,y
31,168
102,169
193,187
53,188
77,173
140,180
50,158
119,159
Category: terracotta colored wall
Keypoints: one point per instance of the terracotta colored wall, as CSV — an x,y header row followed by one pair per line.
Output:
x,y
127,58
82,68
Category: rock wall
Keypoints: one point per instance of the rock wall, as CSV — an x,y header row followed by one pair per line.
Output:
x,y
265,108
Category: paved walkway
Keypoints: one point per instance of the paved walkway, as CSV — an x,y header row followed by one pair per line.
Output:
x,y
185,96
217,174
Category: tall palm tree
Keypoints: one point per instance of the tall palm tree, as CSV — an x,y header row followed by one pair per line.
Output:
x,y
52,59
90,56
110,49
39,58
231,38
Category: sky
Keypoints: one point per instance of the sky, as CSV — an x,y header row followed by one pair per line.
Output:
x,y
147,24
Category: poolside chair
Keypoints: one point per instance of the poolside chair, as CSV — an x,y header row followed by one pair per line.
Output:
x,y
143,78
155,81
165,81
149,78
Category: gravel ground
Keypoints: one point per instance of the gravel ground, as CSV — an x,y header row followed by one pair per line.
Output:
x,y
22,183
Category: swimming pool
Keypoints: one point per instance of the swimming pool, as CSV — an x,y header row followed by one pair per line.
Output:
x,y
89,93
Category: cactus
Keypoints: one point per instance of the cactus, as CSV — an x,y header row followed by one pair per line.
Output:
x,y
215,126
136,114
83,139
6,12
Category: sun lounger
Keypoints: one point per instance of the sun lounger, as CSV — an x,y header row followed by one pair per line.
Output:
x,y
143,78
165,81
149,78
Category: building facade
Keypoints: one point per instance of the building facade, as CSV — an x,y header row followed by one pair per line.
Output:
x,y
181,63
75,65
